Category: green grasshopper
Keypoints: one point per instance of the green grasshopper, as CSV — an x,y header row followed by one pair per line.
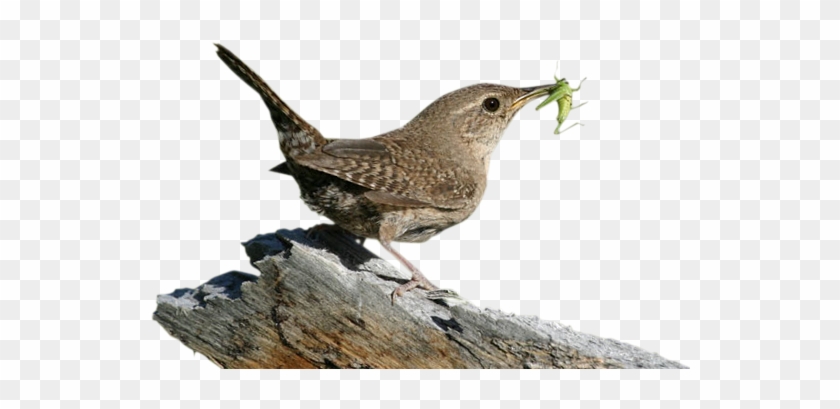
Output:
x,y
562,93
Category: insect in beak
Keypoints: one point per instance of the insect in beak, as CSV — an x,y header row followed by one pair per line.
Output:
x,y
562,93
530,93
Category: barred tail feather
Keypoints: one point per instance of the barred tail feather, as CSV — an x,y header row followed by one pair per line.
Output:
x,y
296,136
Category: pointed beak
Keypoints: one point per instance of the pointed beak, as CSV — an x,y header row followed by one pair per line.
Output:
x,y
529,94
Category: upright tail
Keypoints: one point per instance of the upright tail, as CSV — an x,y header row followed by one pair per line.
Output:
x,y
296,136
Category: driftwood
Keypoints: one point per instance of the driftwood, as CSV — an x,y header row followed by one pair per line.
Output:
x,y
322,301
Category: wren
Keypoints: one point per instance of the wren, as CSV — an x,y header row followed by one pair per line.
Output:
x,y
405,185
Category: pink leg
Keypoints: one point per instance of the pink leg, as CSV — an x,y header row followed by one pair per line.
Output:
x,y
417,278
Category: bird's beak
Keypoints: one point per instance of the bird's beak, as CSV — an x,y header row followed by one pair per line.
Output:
x,y
529,94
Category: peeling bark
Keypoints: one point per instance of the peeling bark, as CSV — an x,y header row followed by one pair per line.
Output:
x,y
322,301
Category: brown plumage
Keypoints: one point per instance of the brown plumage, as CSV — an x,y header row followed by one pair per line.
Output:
x,y
405,185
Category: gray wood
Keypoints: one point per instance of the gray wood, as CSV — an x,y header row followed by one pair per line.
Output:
x,y
322,301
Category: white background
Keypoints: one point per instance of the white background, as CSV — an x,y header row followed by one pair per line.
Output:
x,y
696,214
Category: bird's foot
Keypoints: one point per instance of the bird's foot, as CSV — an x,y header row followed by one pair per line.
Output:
x,y
417,280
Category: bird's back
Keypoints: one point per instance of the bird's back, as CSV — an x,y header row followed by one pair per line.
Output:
x,y
402,178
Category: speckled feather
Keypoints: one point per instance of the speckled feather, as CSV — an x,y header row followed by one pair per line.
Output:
x,y
403,172
405,185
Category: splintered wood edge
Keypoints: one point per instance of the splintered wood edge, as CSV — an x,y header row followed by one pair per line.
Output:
x,y
322,301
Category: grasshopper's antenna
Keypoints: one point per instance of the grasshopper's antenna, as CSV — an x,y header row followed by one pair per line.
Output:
x,y
557,71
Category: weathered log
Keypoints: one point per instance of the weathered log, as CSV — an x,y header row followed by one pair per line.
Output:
x,y
322,301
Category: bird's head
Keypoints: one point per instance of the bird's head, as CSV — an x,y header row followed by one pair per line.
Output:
x,y
476,115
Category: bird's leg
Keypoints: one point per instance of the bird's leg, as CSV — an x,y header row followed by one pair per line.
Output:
x,y
387,232
417,278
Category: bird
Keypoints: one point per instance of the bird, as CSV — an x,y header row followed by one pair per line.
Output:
x,y
405,185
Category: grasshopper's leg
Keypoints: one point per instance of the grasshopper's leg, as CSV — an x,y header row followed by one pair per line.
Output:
x,y
578,105
578,88
570,127
554,96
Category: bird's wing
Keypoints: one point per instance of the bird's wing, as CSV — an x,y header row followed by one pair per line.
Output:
x,y
411,179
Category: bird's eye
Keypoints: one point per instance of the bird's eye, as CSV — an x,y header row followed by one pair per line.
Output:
x,y
491,104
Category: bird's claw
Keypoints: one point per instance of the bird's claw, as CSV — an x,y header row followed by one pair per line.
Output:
x,y
410,285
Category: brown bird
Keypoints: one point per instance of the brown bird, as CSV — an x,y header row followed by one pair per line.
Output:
x,y
405,185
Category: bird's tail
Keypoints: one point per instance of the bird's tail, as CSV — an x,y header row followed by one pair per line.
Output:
x,y
296,136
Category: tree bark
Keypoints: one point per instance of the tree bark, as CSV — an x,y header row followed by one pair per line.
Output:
x,y
323,301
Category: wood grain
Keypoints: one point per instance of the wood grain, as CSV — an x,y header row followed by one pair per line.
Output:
x,y
322,301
